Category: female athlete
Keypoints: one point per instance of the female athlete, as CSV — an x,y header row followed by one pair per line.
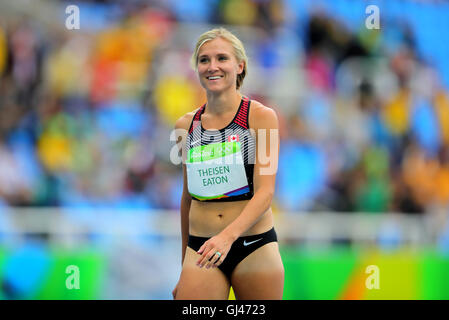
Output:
x,y
230,152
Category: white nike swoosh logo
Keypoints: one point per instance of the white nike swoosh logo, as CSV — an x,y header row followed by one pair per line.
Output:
x,y
251,242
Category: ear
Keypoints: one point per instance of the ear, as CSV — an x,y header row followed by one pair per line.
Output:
x,y
240,67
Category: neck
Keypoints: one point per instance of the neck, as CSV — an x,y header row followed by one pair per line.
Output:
x,y
223,102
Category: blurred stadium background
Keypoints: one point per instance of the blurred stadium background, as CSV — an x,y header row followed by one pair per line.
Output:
x,y
85,121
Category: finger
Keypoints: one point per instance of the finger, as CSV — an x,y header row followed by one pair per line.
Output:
x,y
213,260
206,258
208,244
207,253
200,251
200,261
219,261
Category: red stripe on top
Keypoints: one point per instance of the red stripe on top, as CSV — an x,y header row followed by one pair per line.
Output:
x,y
241,117
196,118
241,120
240,124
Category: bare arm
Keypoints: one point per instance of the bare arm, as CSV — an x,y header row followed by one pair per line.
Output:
x,y
186,200
181,127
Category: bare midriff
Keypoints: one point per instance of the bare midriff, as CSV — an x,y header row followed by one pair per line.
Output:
x,y
207,219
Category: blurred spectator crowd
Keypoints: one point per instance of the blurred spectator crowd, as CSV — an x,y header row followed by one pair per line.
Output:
x,y
86,115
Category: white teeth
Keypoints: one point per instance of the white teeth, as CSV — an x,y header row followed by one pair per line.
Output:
x,y
213,78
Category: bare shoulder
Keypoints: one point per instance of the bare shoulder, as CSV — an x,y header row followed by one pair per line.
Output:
x,y
262,116
184,121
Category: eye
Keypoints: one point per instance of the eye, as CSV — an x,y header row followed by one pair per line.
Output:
x,y
223,58
203,60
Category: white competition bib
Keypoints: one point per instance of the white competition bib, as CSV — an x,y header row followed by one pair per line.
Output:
x,y
216,171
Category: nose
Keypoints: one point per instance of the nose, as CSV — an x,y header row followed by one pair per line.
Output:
x,y
212,66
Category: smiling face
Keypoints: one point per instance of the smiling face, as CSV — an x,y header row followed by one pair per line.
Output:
x,y
217,65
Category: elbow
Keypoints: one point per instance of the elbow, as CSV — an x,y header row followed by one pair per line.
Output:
x,y
267,197
270,195
186,201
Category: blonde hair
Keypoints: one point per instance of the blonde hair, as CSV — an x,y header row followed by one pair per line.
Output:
x,y
239,50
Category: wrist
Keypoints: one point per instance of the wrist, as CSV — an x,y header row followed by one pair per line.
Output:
x,y
230,234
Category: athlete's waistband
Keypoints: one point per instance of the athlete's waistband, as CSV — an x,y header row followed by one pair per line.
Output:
x,y
268,234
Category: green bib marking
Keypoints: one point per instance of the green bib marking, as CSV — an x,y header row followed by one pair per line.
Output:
x,y
212,151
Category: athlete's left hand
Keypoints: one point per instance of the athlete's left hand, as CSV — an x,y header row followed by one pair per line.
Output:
x,y
221,243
